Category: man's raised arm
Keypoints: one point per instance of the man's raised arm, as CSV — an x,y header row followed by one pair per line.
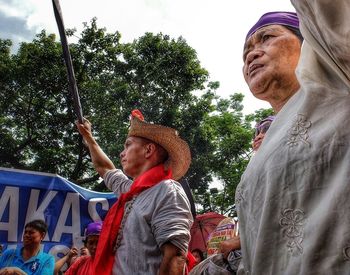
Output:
x,y
101,161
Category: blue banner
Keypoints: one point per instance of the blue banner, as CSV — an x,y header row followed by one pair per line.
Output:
x,y
66,207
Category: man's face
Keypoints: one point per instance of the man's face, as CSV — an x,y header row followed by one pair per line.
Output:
x,y
270,58
32,236
132,158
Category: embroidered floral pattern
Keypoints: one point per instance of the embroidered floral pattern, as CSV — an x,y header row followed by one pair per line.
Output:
x,y
292,223
299,131
239,195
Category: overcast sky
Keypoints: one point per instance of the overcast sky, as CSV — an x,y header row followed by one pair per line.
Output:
x,y
214,28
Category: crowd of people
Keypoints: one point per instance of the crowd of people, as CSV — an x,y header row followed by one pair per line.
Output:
x,y
292,199
30,260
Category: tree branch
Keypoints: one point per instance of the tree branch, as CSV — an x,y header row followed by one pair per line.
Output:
x,y
88,180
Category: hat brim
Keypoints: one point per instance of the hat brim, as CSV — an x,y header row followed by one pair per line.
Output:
x,y
178,150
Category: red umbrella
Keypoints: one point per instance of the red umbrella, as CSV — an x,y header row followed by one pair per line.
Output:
x,y
203,225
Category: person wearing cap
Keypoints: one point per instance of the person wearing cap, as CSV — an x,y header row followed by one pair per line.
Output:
x,y
293,200
260,131
149,225
84,265
28,259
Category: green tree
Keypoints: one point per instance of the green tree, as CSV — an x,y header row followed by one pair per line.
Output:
x,y
260,115
34,115
155,73
231,137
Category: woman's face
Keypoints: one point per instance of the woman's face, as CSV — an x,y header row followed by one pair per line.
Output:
x,y
32,236
260,134
91,244
270,58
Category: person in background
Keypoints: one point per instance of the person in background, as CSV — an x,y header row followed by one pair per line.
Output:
x,y
198,254
66,259
84,251
293,197
84,265
147,229
260,131
28,259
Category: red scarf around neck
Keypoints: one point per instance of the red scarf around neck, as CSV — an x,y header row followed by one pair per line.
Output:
x,y
104,257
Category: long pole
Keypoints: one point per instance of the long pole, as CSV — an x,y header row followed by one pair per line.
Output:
x,y
68,60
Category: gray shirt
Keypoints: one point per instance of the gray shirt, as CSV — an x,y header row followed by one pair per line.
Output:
x,y
293,199
159,214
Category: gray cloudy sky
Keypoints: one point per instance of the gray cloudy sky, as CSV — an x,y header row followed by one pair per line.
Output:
x,y
214,28
14,25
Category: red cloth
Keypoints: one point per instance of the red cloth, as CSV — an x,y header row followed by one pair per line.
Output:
x,y
191,261
104,257
82,266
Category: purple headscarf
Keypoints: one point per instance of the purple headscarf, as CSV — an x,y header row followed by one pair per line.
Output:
x,y
283,18
93,228
269,118
263,125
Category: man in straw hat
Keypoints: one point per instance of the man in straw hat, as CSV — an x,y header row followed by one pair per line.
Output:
x,y
150,223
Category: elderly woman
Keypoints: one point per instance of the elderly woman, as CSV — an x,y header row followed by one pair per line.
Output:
x,y
28,259
293,200
84,264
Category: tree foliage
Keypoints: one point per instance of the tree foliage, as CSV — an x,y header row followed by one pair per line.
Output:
x,y
231,136
259,115
157,74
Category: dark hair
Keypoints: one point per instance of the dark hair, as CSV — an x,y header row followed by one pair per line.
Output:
x,y
296,31
161,152
200,253
39,225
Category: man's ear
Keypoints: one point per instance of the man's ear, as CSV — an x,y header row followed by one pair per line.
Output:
x,y
43,234
150,148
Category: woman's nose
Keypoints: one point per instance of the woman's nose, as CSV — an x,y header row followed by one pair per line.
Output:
x,y
253,54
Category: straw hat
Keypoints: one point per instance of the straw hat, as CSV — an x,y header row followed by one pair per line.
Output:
x,y
179,153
